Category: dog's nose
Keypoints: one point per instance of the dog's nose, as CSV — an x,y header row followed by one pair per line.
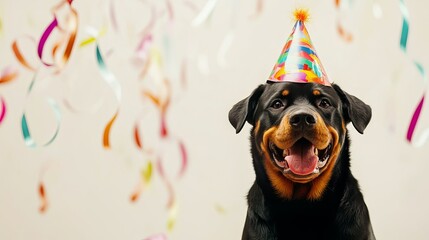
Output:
x,y
302,119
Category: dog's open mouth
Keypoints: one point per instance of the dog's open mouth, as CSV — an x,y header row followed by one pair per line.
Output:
x,y
302,159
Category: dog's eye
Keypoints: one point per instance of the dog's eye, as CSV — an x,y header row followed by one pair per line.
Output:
x,y
277,104
325,103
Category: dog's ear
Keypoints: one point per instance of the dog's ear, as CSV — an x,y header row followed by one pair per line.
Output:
x,y
354,110
244,110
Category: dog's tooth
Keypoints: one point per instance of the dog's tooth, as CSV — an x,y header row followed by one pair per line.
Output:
x,y
285,152
316,151
321,164
316,170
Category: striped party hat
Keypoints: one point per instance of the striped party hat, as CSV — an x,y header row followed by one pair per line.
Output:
x,y
298,61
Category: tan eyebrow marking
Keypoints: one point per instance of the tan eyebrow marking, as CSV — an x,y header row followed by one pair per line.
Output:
x,y
316,92
285,92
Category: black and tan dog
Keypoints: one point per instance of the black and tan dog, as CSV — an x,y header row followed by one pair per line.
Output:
x,y
304,188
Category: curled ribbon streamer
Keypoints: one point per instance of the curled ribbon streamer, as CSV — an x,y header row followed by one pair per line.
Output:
x,y
416,114
2,109
136,193
8,75
184,156
170,190
95,34
172,217
20,57
146,173
204,13
29,141
116,87
43,198
137,137
145,178
172,204
87,41
69,45
346,36
44,38
405,25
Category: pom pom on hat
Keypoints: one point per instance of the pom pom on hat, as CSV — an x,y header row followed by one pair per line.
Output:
x,y
301,14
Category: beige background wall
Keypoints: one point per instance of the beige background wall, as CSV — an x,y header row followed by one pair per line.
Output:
x,y
88,187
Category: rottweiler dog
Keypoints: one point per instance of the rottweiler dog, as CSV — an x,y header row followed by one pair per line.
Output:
x,y
304,188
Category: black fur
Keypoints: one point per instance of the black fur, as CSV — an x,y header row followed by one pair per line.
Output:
x,y
341,212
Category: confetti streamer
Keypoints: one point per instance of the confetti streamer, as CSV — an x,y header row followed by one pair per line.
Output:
x,y
416,115
20,57
8,74
43,198
144,180
184,157
405,26
172,217
204,13
44,38
137,136
146,173
116,87
29,141
170,190
67,38
94,36
2,109
144,47
136,194
346,36
73,24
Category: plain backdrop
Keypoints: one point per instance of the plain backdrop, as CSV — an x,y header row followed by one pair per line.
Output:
x,y
226,56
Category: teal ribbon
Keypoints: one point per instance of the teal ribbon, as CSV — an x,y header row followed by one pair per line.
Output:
x,y
28,139
405,25
416,114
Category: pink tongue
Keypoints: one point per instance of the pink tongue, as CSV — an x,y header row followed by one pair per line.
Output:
x,y
301,158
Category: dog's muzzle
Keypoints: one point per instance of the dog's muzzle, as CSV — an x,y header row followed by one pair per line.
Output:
x,y
302,145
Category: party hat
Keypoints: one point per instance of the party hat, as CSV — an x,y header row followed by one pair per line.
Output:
x,y
298,61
